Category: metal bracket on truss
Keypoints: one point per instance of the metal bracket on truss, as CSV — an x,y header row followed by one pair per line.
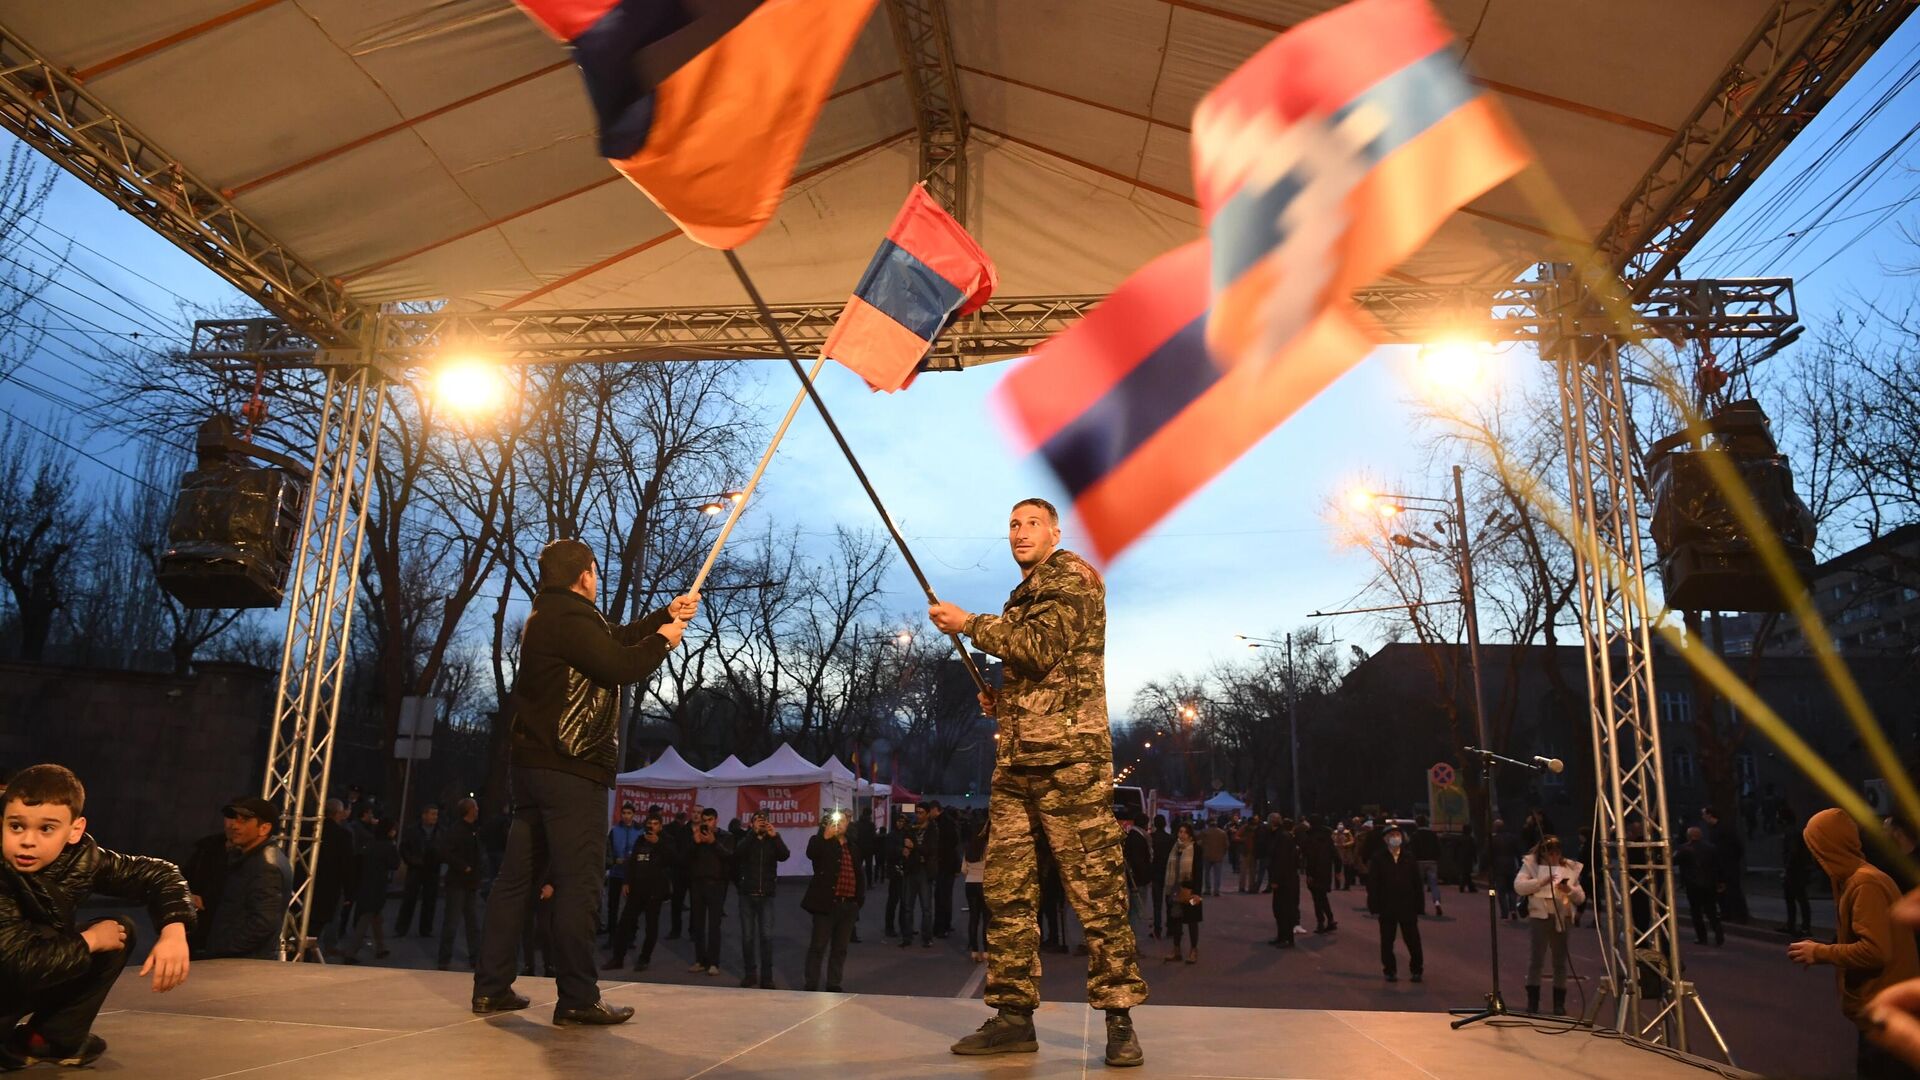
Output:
x,y
925,41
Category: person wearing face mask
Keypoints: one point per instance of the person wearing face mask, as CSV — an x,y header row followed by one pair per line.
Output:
x,y
1551,884
1395,883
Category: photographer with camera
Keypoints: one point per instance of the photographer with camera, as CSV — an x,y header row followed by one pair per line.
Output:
x,y
914,853
756,859
707,865
833,898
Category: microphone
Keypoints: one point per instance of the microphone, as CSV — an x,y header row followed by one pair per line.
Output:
x,y
1551,764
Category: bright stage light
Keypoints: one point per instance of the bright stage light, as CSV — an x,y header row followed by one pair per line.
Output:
x,y
470,386
1456,366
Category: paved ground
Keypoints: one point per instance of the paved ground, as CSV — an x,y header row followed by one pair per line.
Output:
x,y
1748,985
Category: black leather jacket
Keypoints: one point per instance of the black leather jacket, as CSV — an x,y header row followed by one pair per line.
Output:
x,y
252,906
566,713
40,942
756,863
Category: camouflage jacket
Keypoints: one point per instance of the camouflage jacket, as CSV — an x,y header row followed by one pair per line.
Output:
x,y
1052,635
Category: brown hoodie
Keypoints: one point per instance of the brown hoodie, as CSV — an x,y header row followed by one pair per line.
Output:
x,y
1872,951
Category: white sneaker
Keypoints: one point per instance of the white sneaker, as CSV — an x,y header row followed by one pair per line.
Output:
x,y
713,969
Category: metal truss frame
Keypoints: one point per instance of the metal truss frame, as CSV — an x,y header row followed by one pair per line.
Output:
x,y
50,111
925,40
1521,311
1791,65
320,606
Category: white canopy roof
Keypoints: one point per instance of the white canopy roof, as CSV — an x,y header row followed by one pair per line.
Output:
x,y
730,770
786,766
669,770
838,769
422,149
1224,801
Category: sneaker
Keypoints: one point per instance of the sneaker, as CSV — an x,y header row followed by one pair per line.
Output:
x,y
31,1049
1123,1046
696,968
1006,1032
713,969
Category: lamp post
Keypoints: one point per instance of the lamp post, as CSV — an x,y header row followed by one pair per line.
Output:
x,y
1293,706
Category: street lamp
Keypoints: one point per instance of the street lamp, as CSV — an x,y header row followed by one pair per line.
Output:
x,y
1293,706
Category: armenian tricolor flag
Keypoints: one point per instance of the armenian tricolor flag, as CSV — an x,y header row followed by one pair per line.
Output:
x,y
706,105
1328,158
927,273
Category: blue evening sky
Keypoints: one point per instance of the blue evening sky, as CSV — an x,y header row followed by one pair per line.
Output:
x,y
1253,553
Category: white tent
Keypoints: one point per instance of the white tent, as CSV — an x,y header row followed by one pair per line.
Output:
x,y
669,781
722,781
1223,803
793,790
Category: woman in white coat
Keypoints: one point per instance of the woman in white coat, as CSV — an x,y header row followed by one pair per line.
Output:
x,y
1551,884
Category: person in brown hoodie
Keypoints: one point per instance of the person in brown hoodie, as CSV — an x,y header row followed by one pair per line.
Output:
x,y
1871,950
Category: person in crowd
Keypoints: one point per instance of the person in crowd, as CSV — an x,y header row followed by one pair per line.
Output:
x,y
1796,873
1893,1015
1162,847
1901,835
890,867
565,743
833,898
973,867
1345,855
250,901
756,859
1425,844
1138,850
679,836
861,837
1184,886
422,885
647,884
1316,865
1537,825
1393,888
378,859
913,852
1214,847
1872,951
458,849
1371,842
1697,866
1283,860
333,875
1730,851
707,876
1503,862
620,840
55,964
1467,847
1243,838
944,834
205,868
1550,882
363,824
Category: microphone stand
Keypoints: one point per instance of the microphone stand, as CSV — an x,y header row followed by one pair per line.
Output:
x,y
1494,1004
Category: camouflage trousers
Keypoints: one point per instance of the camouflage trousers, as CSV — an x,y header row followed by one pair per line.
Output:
x,y
1073,805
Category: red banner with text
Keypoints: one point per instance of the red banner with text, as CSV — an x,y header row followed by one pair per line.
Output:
x,y
670,800
795,806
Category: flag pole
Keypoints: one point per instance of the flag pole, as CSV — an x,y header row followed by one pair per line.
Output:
x,y
740,504
808,390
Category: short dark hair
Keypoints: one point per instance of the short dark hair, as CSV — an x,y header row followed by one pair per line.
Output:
x,y
1053,515
562,562
48,785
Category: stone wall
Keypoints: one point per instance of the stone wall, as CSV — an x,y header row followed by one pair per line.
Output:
x,y
159,755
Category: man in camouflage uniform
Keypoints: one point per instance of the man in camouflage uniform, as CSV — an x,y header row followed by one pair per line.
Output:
x,y
1053,772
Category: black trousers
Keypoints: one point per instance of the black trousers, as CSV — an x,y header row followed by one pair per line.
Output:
x,y
709,900
893,901
63,1014
831,932
614,885
1286,909
423,888
1705,906
462,912
1322,909
976,917
1799,908
943,903
559,821
1409,928
1159,904
679,886
630,916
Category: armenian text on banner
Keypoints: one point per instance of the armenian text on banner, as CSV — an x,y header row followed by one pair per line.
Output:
x,y
670,800
791,806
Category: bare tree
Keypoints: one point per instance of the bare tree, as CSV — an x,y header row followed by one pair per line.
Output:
x,y
43,523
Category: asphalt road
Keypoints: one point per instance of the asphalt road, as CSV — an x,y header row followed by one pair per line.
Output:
x,y
1777,1018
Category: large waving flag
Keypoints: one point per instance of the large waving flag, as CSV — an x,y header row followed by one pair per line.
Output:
x,y
1328,158
706,104
927,272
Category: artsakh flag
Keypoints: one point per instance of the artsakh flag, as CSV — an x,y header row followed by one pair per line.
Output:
x,y
1327,159
706,104
927,273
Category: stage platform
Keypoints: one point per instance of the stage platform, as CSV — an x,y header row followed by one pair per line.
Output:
x,y
239,1018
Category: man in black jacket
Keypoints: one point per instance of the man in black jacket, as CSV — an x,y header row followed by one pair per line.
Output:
x,y
417,843
458,849
565,745
1393,889
253,895
1283,864
647,885
913,852
51,965
1162,844
1696,864
833,898
943,834
707,863
756,860
1316,865
1139,862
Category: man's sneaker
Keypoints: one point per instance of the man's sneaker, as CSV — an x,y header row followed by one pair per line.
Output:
x,y
1005,1033
696,968
1123,1046
31,1049
713,969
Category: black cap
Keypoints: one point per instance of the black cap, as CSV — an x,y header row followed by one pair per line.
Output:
x,y
260,808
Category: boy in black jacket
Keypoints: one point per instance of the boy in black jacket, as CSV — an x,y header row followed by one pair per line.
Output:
x,y
50,966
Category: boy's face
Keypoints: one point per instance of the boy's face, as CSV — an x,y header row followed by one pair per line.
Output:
x,y
33,836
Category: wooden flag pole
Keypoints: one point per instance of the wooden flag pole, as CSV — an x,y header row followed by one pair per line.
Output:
x,y
740,504
808,390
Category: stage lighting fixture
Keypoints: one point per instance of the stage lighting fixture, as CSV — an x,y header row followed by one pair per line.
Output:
x,y
470,386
